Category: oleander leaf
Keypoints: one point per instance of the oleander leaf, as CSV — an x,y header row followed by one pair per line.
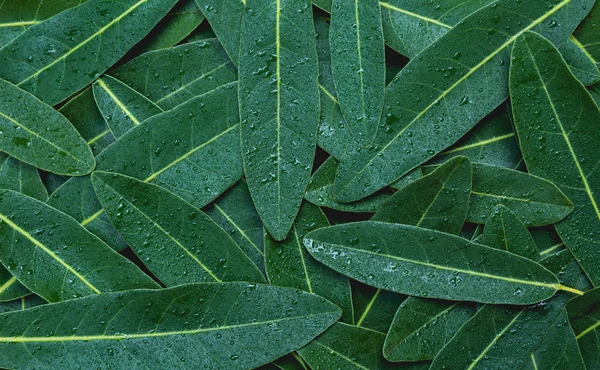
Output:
x,y
36,134
441,94
178,74
358,65
584,316
426,263
438,201
179,243
279,107
158,328
55,257
198,141
59,56
225,18
583,67
319,188
21,177
558,140
289,264
121,106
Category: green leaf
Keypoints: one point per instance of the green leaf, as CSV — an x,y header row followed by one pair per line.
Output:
x,y
55,257
346,346
36,134
438,201
10,288
586,35
318,191
422,327
17,16
505,231
289,264
22,303
558,350
279,107
358,65
59,56
121,106
579,62
178,74
426,112
425,263
503,337
198,141
558,140
20,177
374,308
584,315
158,328
225,18
547,240
176,241
235,213
76,198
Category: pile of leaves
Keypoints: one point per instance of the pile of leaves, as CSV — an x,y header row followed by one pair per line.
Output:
x,y
349,184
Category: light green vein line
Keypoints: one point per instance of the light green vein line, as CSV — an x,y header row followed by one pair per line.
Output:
x,y
96,138
461,80
467,272
54,256
534,362
239,229
360,67
118,101
18,24
580,45
489,346
588,330
507,198
80,45
4,287
331,350
89,338
551,249
278,56
329,94
308,283
368,308
91,218
479,144
415,15
584,179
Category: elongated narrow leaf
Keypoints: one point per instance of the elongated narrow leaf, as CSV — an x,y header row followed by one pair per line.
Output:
x,y
289,264
558,350
198,141
374,308
20,177
586,34
426,112
279,107
235,213
225,18
438,201
182,327
178,74
562,127
34,133
584,315
358,65
346,347
579,62
59,56
55,257
425,263
77,198
176,241
491,335
121,106
318,191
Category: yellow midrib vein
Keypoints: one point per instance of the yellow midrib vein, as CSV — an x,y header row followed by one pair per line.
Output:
x,y
88,338
479,144
81,44
584,179
588,330
415,15
368,308
18,24
118,101
4,287
278,61
522,200
304,269
54,256
239,229
360,66
580,46
556,8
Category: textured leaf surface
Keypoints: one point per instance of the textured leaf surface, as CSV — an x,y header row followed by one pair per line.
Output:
x,y
225,18
426,112
584,315
34,133
20,177
374,308
279,107
426,263
156,329
562,127
55,257
177,242
587,33
59,56
580,63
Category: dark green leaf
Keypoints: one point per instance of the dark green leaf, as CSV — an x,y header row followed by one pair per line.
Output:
x,y
578,60
59,56
559,140
55,257
225,18
20,177
177,328
374,308
10,288
584,314
279,107
587,33
22,303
